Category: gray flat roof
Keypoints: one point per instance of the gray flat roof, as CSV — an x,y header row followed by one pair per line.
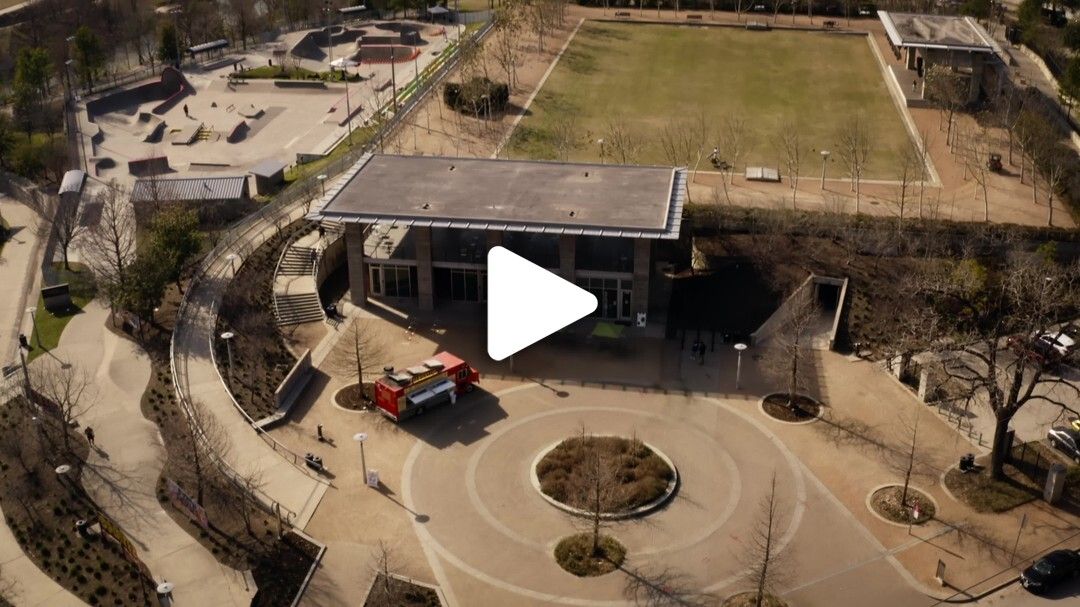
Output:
x,y
937,31
268,168
510,195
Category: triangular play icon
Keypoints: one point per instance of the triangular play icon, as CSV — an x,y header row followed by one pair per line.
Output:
x,y
526,303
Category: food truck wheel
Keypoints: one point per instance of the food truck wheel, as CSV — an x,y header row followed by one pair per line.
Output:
x,y
470,387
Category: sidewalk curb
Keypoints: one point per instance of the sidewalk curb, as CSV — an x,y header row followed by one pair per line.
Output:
x,y
979,597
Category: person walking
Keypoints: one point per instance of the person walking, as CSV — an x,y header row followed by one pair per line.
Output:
x,y
89,432
186,111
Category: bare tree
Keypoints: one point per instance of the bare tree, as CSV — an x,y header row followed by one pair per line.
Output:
x,y
683,142
975,153
1053,169
205,443
109,246
765,567
384,592
854,142
979,324
622,140
564,134
908,168
735,141
360,351
948,89
67,393
66,226
790,146
1008,105
506,43
789,347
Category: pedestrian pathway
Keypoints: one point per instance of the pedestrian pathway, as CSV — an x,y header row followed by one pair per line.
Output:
x,y
18,261
284,479
127,459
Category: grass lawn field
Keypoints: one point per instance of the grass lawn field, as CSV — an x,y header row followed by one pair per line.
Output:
x,y
650,75
50,326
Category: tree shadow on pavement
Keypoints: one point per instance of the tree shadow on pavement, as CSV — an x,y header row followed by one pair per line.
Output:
x,y
666,586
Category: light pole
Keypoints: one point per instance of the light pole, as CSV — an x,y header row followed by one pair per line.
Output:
x,y
393,76
231,258
824,159
33,321
329,35
345,64
739,347
361,437
601,143
322,183
228,337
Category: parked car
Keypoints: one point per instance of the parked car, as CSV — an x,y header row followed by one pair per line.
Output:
x,y
1065,440
1051,570
1037,350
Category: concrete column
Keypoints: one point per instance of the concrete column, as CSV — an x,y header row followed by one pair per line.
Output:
x,y
354,257
910,58
642,263
567,256
425,284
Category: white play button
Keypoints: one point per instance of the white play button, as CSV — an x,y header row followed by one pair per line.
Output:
x,y
526,303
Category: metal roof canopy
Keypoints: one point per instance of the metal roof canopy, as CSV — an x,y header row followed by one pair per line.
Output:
x,y
438,10
349,10
189,189
268,168
943,32
73,182
208,46
510,195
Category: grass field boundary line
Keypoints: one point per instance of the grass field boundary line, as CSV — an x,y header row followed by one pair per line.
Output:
x,y
737,25
540,85
900,103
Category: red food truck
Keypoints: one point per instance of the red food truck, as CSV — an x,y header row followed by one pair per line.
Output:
x,y
436,381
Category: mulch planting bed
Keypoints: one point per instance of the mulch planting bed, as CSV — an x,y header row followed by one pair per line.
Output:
x,y
350,397
41,509
643,475
779,407
886,502
259,354
575,554
400,593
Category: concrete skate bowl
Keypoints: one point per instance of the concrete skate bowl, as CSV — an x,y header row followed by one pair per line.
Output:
x,y
313,44
151,127
167,90
408,38
383,54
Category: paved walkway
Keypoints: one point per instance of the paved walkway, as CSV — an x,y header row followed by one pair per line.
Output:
x,y
283,481
18,261
125,467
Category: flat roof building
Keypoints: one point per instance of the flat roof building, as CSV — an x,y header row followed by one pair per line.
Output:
x,y
418,228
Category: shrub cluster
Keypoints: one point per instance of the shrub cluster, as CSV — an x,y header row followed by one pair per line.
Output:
x,y
477,96
641,476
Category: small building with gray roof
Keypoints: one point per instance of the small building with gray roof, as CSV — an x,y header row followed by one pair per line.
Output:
x,y
954,41
418,228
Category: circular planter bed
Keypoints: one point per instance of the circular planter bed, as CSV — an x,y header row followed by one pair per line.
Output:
x,y
749,599
575,554
637,477
885,502
350,397
803,410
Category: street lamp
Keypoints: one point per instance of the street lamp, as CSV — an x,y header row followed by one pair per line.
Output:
x,y
344,64
322,183
361,437
824,159
228,336
739,347
601,143
33,321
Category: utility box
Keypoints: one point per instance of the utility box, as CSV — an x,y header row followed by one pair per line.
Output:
x,y
1055,484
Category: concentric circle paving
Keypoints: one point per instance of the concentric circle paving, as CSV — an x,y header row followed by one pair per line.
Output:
x,y
470,473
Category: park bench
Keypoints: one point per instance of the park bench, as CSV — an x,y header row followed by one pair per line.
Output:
x,y
694,17
625,14
757,25
762,174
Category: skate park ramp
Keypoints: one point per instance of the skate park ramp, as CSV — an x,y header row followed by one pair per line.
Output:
x,y
168,89
313,44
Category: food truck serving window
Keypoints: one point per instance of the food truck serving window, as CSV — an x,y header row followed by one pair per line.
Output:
x,y
431,394
463,374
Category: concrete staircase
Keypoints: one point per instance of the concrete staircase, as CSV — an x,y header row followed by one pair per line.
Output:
x,y
296,261
293,309
296,300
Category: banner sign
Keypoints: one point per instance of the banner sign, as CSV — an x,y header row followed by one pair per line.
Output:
x,y
183,501
114,532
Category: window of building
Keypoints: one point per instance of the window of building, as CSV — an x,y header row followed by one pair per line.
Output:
x,y
392,281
